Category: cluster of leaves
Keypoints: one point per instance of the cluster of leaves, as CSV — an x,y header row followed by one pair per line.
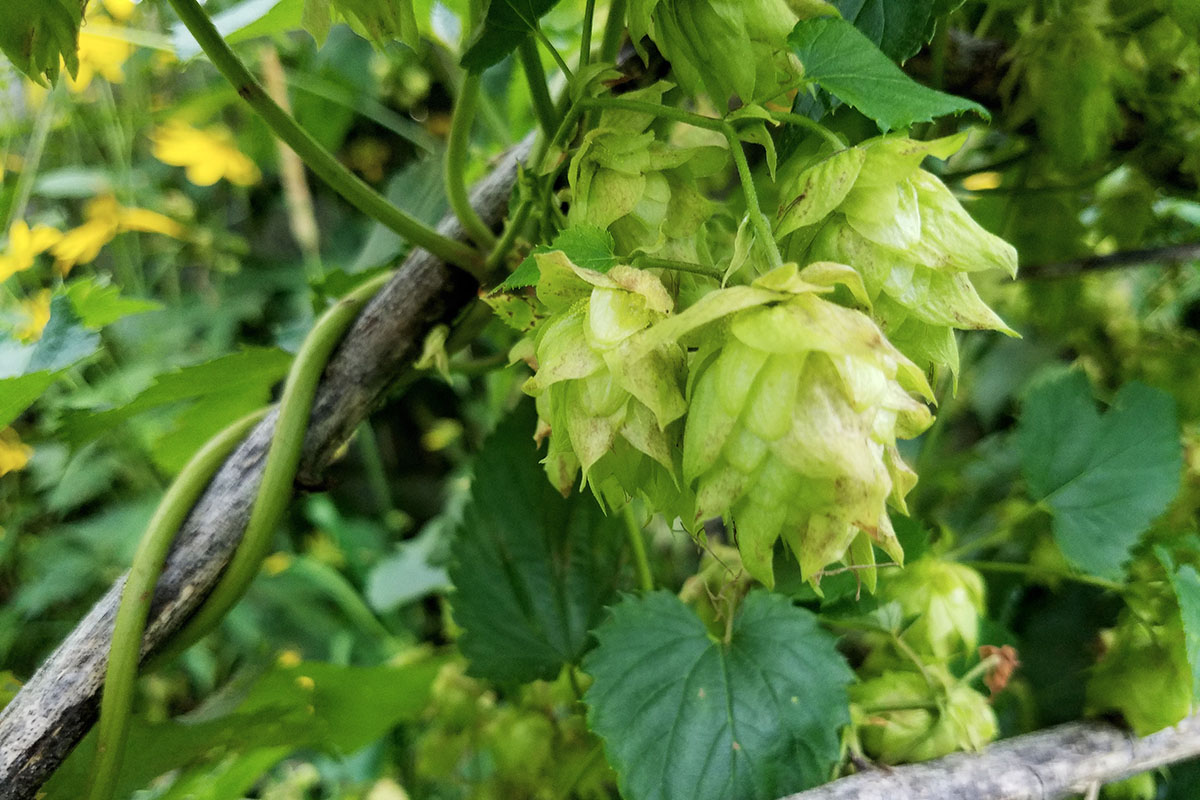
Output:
x,y
740,292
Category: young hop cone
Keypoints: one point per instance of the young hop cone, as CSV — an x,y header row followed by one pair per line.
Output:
x,y
963,719
872,206
947,599
795,407
607,401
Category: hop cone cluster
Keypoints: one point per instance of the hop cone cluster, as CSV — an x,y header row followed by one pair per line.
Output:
x,y
606,400
872,206
794,413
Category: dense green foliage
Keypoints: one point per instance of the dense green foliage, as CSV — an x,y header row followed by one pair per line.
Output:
x,y
764,465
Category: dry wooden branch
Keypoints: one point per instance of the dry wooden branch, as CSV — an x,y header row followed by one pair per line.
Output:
x,y
1039,766
58,705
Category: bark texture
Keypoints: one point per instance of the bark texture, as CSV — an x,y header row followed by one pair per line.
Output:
x,y
1049,764
58,705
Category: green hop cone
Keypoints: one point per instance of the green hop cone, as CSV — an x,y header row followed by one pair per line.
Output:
x,y
795,407
725,48
946,598
642,190
873,207
608,403
904,718
1144,676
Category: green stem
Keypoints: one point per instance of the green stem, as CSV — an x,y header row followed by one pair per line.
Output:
x,y
637,543
456,164
1032,571
614,27
974,672
650,262
558,59
283,458
903,705
33,156
585,41
804,122
318,159
758,219
543,106
372,460
116,703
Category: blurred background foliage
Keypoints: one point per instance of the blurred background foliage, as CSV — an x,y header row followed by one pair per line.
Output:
x,y
186,256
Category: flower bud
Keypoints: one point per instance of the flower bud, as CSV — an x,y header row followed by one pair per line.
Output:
x,y
1144,676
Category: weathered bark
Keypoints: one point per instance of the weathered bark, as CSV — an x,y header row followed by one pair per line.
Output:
x,y
58,705
1045,765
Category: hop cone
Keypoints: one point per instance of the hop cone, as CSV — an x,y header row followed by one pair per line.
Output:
x,y
607,402
795,409
873,207
726,48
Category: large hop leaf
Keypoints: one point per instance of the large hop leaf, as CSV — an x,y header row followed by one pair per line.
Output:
x,y
873,207
795,408
726,48
607,400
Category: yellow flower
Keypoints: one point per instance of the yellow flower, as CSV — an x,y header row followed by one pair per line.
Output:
x,y
209,154
13,454
120,10
100,54
104,218
37,313
23,245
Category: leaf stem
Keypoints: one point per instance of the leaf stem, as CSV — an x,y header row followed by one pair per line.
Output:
x,y
456,163
318,159
543,106
637,543
558,59
650,262
804,122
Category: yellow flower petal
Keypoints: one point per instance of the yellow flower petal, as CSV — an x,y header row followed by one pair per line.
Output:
x,y
119,10
102,55
37,311
14,455
24,245
141,219
209,155
81,245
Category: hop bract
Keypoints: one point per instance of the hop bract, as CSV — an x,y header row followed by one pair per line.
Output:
x,y
873,207
607,401
795,407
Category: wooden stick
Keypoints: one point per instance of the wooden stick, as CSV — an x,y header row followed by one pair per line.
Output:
x,y
1048,764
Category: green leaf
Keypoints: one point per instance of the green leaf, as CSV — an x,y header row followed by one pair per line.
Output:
x,y
1104,478
98,304
897,27
337,709
844,62
27,370
684,716
218,392
532,570
586,245
40,34
1185,582
506,24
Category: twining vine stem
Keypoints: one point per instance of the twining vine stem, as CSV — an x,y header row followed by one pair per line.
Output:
x,y
456,162
270,502
318,159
